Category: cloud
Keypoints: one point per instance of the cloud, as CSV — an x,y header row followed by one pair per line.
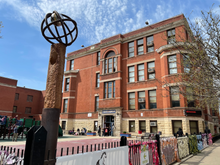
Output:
x,y
96,19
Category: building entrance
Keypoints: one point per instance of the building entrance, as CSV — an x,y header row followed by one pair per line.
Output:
x,y
109,124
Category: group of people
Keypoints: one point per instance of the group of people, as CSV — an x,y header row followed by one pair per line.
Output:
x,y
79,132
106,131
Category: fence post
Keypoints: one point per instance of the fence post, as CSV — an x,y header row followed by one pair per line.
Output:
x,y
158,147
123,141
35,146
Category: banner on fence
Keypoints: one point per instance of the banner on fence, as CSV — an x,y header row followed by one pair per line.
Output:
x,y
116,156
144,155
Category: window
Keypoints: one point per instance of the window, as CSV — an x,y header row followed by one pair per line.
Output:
x,y
16,96
65,105
153,127
151,70
140,46
171,36
131,126
14,109
131,97
28,110
186,63
141,100
190,98
172,64
152,99
64,125
175,99
176,125
150,44
110,62
72,65
131,74
98,58
193,127
67,84
29,98
142,126
97,80
95,125
110,89
96,103
141,72
131,49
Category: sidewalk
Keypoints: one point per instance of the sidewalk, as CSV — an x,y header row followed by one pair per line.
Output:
x,y
209,156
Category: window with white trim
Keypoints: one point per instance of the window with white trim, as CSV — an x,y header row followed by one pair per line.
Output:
x,y
110,62
131,49
98,58
152,99
141,72
186,63
131,74
141,100
151,70
67,84
140,46
171,36
150,44
65,105
97,79
96,103
131,101
174,96
172,64
109,91
72,65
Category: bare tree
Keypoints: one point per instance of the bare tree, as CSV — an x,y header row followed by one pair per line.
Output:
x,y
198,44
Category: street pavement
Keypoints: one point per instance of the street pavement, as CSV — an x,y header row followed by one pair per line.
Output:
x,y
209,156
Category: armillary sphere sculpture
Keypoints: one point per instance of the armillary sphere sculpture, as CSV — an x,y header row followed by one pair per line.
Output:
x,y
59,20
53,95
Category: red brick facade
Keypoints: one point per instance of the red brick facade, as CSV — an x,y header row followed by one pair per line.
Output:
x,y
26,98
82,90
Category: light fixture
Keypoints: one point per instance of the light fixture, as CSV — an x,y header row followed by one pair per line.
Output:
x,y
147,23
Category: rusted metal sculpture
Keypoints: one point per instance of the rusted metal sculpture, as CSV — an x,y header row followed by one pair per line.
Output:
x,y
53,96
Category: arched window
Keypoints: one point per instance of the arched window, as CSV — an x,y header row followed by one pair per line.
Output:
x,y
110,62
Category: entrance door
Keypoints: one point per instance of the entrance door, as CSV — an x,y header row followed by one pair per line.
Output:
x,y
108,121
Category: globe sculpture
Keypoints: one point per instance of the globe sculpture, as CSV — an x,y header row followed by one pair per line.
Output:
x,y
59,20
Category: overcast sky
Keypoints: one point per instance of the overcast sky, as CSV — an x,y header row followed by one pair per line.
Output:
x,y
25,53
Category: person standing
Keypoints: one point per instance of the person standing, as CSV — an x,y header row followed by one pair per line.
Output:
x,y
99,131
15,133
112,129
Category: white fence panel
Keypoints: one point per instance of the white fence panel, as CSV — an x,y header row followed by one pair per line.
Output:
x,y
113,156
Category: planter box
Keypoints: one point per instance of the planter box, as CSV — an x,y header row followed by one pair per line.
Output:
x,y
128,135
91,133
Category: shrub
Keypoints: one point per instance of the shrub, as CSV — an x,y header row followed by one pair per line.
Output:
x,y
124,132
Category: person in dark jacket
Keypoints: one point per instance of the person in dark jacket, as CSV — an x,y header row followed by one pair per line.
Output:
x,y
99,131
180,132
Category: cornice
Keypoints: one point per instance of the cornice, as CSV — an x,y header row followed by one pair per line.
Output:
x,y
154,31
7,85
128,39
170,46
